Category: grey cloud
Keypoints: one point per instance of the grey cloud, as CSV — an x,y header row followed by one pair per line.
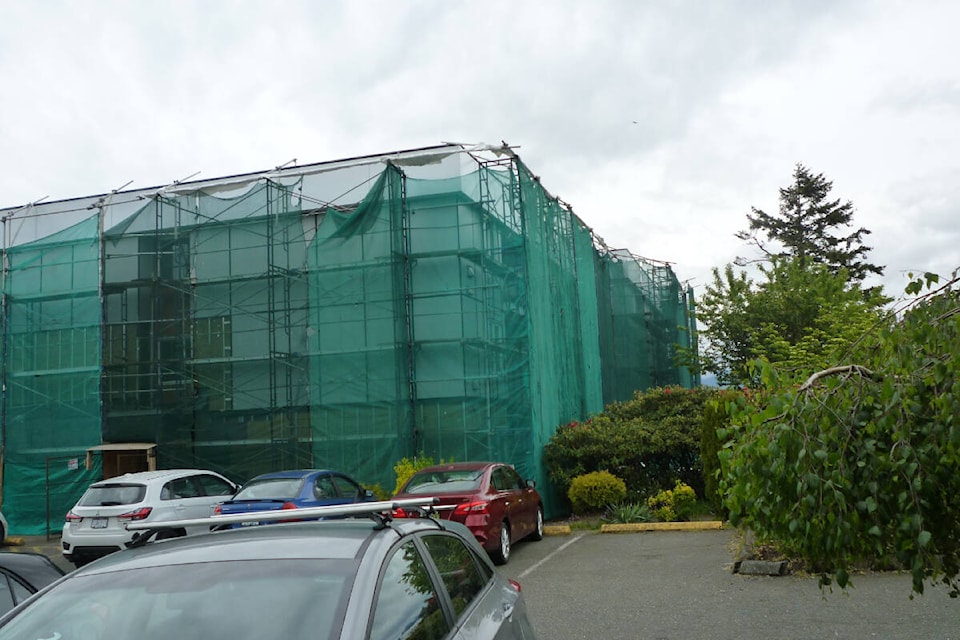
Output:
x,y
920,96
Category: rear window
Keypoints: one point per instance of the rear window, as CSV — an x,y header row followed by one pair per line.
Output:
x,y
227,599
111,495
271,488
459,481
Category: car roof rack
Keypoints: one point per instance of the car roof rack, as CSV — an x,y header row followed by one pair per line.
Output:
x,y
380,512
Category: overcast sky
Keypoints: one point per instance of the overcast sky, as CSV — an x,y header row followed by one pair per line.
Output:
x,y
660,122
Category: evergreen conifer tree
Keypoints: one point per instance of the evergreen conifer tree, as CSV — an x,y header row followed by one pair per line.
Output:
x,y
806,225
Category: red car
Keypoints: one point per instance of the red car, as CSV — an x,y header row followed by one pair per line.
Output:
x,y
490,498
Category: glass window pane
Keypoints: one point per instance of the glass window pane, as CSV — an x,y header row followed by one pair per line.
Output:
x,y
6,597
209,600
458,568
347,489
407,604
20,592
323,489
214,486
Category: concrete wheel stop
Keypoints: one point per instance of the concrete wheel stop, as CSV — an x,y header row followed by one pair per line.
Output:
x,y
760,567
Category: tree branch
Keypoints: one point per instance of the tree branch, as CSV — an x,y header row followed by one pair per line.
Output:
x,y
834,371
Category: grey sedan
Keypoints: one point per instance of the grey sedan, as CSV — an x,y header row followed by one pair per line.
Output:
x,y
349,577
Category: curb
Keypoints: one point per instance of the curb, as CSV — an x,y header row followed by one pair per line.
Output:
x,y
556,530
703,525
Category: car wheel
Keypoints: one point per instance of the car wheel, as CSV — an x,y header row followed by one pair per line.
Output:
x,y
538,530
501,554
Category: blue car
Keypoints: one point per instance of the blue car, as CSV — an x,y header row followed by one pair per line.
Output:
x,y
295,490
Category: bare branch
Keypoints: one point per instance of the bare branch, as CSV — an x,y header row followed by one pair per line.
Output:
x,y
835,371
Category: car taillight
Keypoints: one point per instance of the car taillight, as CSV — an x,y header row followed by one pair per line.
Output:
x,y
399,512
139,514
471,508
72,517
217,509
515,585
288,506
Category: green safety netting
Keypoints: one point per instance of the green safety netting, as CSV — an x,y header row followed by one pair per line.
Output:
x,y
51,371
348,315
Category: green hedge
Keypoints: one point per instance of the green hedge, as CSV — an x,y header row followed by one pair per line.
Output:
x,y
650,441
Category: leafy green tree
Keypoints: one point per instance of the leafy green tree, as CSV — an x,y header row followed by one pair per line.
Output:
x,y
805,228
806,302
715,418
858,464
725,336
798,316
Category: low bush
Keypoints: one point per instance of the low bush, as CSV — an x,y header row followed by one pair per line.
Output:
x,y
674,504
595,491
406,467
627,513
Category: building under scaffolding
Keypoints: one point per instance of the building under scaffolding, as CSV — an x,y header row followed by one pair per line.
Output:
x,y
345,314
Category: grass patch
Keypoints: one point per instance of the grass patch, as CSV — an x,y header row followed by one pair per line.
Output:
x,y
585,522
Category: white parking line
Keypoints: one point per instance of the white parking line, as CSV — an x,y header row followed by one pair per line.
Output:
x,y
555,552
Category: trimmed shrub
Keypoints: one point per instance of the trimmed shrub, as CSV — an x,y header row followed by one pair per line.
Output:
x,y
594,491
674,504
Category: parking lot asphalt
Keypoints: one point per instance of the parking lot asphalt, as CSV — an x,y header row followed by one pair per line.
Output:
x,y
679,584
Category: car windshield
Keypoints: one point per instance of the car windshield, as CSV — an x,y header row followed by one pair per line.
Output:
x,y
457,481
213,600
109,495
270,488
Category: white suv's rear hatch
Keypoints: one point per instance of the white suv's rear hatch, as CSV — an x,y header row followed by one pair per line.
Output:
x,y
102,504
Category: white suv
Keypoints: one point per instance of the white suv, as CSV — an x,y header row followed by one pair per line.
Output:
x,y
95,525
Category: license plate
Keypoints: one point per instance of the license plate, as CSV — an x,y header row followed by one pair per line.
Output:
x,y
98,523
250,524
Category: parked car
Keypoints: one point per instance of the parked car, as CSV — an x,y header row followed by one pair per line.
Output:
x,y
348,578
94,527
295,490
489,498
22,574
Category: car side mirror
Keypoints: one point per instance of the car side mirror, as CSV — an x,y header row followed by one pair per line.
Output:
x,y
368,494
531,483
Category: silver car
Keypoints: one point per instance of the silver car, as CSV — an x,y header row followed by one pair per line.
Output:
x,y
348,577
96,525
